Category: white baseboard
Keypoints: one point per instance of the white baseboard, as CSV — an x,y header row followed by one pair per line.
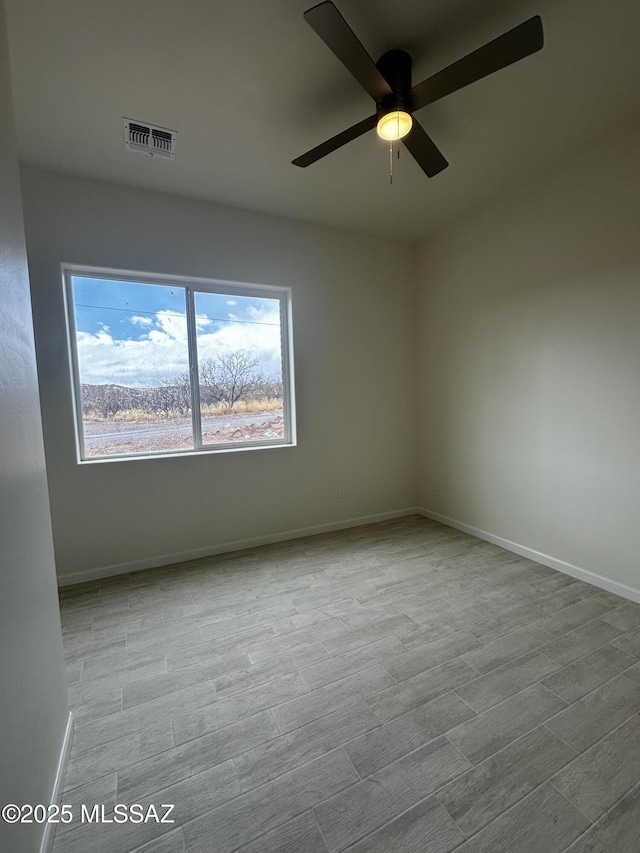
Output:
x,y
184,556
607,584
238,545
58,785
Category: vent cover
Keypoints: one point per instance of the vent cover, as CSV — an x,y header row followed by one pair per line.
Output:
x,y
149,139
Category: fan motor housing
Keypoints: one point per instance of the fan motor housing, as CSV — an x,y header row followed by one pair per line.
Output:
x,y
395,67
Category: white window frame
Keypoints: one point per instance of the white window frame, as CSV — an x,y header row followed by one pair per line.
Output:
x,y
190,285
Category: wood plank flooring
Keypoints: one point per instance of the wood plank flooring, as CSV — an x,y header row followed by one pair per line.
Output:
x,y
397,687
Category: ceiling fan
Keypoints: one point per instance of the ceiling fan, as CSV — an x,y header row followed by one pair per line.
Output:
x,y
388,81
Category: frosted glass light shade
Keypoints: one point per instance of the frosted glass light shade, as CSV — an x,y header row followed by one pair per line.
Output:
x,y
394,125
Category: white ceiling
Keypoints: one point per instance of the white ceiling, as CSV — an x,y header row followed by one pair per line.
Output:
x,y
249,86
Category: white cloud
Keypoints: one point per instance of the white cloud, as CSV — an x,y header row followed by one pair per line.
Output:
x,y
202,321
141,321
130,362
260,336
171,325
161,352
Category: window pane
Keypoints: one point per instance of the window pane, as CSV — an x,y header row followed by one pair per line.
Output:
x,y
133,367
240,368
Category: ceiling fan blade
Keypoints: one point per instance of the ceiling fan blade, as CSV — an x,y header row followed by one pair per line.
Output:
x,y
336,33
424,150
336,142
508,48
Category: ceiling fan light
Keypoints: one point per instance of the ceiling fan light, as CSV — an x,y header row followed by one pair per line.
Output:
x,y
394,125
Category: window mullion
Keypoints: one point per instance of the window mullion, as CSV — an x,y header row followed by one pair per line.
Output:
x,y
196,422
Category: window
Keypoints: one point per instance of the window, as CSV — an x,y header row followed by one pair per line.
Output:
x,y
163,365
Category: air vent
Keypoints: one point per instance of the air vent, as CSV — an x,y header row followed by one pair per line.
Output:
x,y
149,139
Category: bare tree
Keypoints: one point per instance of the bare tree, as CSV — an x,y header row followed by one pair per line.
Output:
x,y
236,370
183,393
173,397
105,400
211,391
265,388
160,398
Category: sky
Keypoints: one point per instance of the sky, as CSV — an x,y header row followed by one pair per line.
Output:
x,y
136,334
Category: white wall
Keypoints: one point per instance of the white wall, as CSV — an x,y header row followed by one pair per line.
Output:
x,y
33,697
352,309
530,364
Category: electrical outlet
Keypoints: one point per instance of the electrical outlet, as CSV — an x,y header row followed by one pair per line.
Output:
x,y
436,490
342,495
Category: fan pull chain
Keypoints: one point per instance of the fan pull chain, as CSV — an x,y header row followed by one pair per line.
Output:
x,y
391,161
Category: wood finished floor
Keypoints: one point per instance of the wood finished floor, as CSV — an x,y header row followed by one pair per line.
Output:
x,y
398,687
